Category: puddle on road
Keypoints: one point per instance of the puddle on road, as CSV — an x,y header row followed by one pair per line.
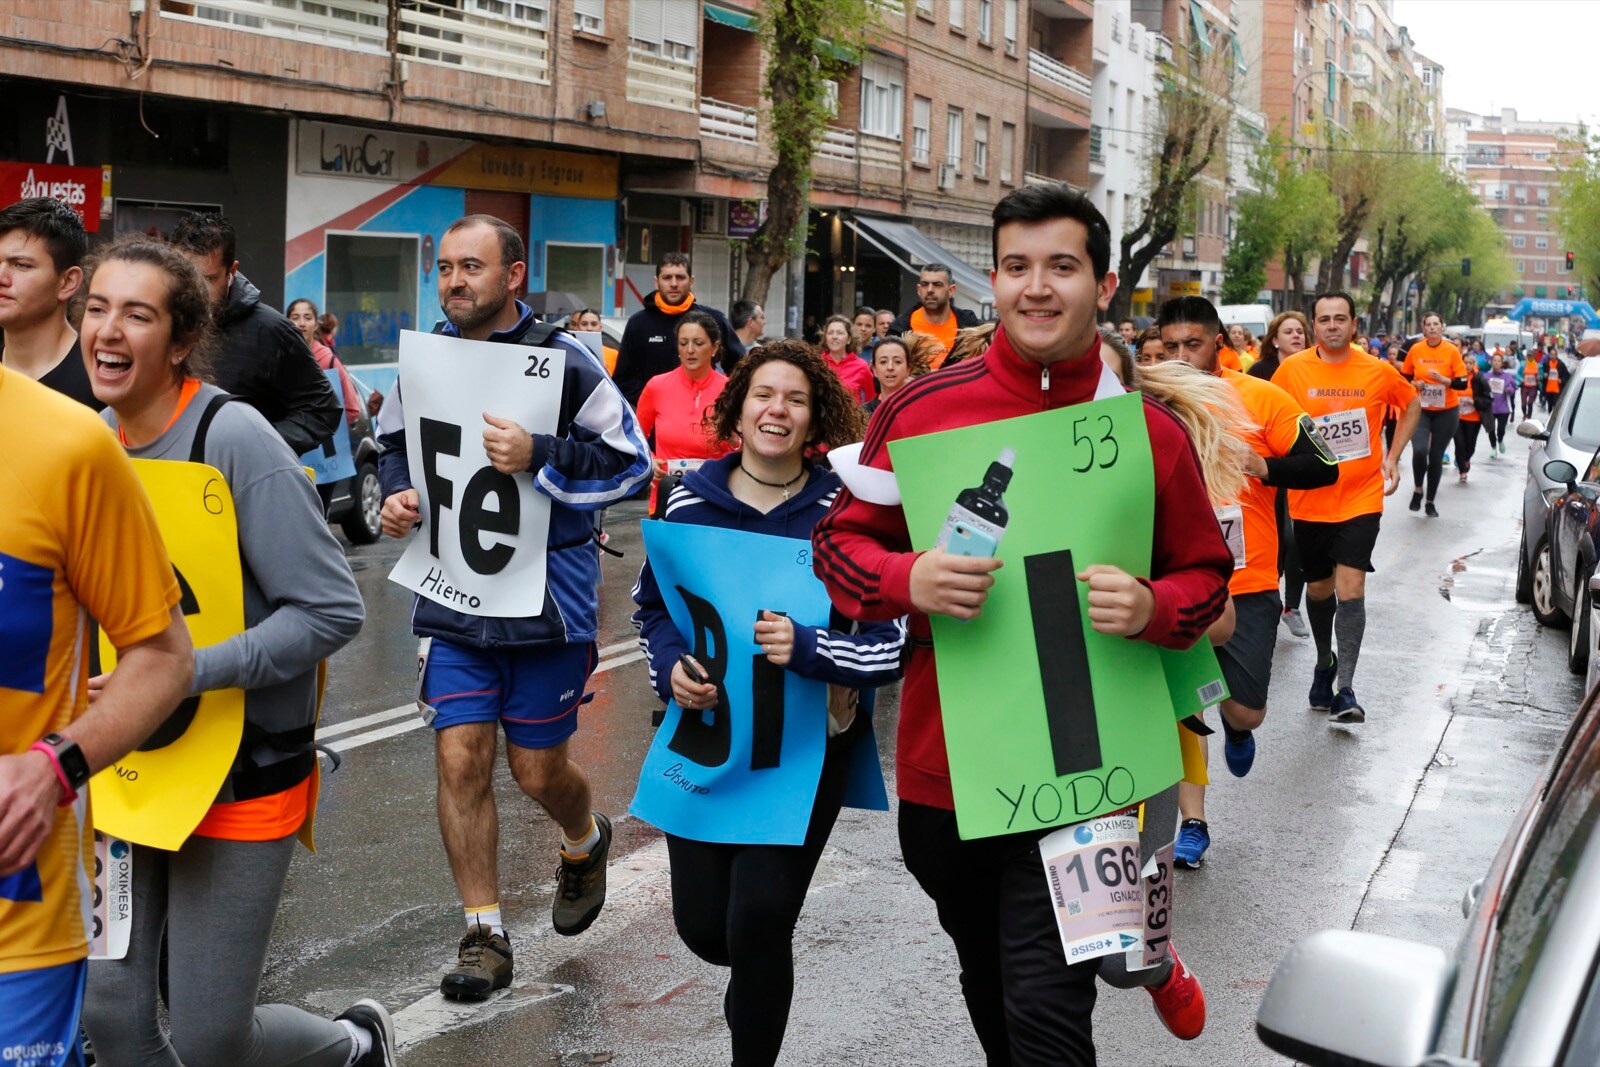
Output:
x,y
1483,580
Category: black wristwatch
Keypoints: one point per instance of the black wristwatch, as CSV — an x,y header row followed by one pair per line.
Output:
x,y
70,758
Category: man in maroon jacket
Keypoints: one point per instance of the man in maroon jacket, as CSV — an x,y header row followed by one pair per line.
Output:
x,y
1052,252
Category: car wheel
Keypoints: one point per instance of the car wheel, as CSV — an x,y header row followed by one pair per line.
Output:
x,y
1578,642
1544,588
364,522
1524,572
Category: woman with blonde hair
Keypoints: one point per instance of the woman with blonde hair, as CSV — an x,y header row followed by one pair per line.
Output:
x,y
971,342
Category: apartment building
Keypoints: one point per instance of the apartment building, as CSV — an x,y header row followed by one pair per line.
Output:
x,y
1511,163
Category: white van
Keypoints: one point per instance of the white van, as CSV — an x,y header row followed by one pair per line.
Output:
x,y
1255,317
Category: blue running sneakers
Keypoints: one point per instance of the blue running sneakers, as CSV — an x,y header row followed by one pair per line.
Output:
x,y
1239,751
1345,708
1321,698
1190,848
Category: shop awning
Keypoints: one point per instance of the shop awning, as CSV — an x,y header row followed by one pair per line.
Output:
x,y
731,16
911,248
1197,18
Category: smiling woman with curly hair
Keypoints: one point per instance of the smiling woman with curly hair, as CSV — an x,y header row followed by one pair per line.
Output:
x,y
834,418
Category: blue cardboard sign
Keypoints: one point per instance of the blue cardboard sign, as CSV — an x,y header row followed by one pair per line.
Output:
x,y
746,771
332,459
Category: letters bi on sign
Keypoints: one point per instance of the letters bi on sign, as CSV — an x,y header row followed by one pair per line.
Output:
x,y
481,546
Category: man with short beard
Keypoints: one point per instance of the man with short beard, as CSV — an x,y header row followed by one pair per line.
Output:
x,y
262,359
528,675
934,314
649,341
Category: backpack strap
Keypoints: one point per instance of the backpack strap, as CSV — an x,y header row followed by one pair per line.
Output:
x,y
197,451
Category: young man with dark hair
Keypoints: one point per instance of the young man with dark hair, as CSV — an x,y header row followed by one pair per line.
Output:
x,y
649,341
934,314
263,358
1346,392
42,245
1052,251
749,322
1129,331
864,332
1286,451
525,675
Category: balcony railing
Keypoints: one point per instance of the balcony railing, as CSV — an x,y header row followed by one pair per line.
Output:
x,y
880,151
1097,152
656,79
1160,47
1053,70
358,25
837,144
727,122
475,35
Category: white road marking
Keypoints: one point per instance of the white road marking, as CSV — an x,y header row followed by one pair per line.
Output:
x,y
620,646
434,1015
395,729
1397,878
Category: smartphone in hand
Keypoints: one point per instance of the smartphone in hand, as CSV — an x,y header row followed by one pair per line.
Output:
x,y
692,669
970,541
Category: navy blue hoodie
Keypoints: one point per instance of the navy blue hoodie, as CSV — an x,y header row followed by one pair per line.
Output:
x,y
857,655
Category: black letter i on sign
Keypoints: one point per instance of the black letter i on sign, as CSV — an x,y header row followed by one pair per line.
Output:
x,y
1063,662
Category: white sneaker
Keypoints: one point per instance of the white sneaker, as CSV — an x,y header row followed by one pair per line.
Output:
x,y
1296,624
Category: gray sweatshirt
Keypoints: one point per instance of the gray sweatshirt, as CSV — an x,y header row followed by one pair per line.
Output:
x,y
301,604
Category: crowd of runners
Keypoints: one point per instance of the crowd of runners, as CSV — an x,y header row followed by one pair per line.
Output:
x,y
1272,457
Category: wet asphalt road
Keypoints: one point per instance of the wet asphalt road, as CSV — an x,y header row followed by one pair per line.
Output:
x,y
1377,827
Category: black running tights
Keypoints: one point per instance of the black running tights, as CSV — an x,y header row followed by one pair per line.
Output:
x,y
1467,443
1435,430
736,906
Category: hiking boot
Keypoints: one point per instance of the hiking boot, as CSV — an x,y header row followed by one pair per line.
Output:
x,y
484,966
1179,1001
372,1017
581,885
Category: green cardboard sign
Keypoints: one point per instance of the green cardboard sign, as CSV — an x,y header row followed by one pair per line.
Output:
x,y
1046,721
1194,678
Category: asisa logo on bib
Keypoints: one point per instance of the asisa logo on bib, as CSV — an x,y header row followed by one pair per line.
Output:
x,y
26,621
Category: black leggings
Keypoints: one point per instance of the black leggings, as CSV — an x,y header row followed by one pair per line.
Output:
x,y
736,906
1497,427
1294,582
1467,443
1435,430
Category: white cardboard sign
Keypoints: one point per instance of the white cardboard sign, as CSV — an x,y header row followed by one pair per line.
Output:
x,y
481,546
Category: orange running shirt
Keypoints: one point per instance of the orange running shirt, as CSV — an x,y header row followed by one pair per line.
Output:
x,y
945,332
1469,410
1277,425
1228,359
1444,358
1346,401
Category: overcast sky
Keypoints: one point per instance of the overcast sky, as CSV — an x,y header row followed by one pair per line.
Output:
x,y
1533,55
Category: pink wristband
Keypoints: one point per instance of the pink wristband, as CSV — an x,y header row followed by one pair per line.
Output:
x,y
68,794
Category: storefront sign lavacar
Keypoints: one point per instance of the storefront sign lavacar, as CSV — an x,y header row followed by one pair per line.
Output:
x,y
546,171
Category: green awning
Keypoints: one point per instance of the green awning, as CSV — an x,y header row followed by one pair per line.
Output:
x,y
731,16
1198,18
1539,291
1238,54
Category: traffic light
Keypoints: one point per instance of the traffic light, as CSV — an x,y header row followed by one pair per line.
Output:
x,y
1466,266
1570,292
1570,258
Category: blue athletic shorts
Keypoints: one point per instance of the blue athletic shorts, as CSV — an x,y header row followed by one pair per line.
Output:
x,y
533,693
39,1012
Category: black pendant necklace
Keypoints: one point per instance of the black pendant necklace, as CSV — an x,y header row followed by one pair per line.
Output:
x,y
783,486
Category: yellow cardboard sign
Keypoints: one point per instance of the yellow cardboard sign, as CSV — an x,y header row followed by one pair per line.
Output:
x,y
157,794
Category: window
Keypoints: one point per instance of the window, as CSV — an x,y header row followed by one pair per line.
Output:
x,y
372,290
665,28
589,16
1010,17
1517,216
1541,242
952,138
1541,217
925,7
980,146
1427,75
1544,195
1111,126
882,99
1541,267
985,17
1127,116
1522,266
1541,156
921,121
1008,149
1519,242
958,15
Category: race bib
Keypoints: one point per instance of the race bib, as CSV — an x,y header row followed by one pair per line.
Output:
x,y
424,649
1530,380
1231,519
1467,406
1497,386
1432,394
683,466
113,898
1095,885
1346,433
1157,908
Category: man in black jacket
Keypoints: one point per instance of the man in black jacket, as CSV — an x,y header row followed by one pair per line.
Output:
x,y
649,346
934,315
263,358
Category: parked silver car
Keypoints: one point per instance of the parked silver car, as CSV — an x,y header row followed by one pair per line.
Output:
x,y
1572,434
1522,986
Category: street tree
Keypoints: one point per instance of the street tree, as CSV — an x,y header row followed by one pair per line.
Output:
x,y
1188,134
1290,215
1578,206
1421,223
1461,298
1356,160
808,44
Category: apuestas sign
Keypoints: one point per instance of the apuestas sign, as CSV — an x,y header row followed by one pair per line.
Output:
x,y
77,187
1530,306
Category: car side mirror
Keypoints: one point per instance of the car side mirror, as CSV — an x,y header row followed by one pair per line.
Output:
x,y
1343,997
1533,428
1559,470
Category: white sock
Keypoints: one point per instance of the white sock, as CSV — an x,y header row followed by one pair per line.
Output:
x,y
487,916
582,848
360,1042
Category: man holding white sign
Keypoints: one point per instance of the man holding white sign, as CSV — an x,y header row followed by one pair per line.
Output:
x,y
505,569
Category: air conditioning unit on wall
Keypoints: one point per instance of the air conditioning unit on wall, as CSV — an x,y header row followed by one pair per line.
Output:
x,y
947,176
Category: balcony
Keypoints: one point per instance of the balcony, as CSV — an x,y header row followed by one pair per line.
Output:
x,y
661,80
1097,154
837,145
728,122
1055,72
356,25
473,35
1159,47
883,152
